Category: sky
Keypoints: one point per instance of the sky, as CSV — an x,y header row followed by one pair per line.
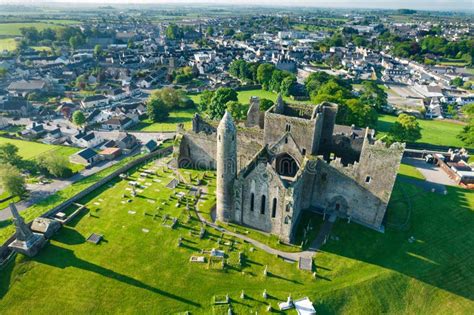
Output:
x,y
463,5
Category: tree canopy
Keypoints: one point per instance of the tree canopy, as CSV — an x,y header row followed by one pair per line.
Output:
x,y
78,118
12,181
405,129
218,105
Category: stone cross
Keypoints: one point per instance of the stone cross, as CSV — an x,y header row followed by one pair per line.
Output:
x,y
23,232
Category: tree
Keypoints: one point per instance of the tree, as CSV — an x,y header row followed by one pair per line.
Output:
x,y
237,110
209,30
277,78
219,102
97,51
229,32
9,154
457,81
81,81
55,165
173,98
78,118
30,34
288,85
205,100
174,32
467,133
265,104
405,129
156,108
373,95
76,41
48,33
360,114
264,74
12,181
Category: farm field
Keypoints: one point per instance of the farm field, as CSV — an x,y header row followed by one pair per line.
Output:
x,y
433,132
13,29
8,44
360,269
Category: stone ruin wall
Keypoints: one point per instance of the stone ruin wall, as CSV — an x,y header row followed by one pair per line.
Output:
x,y
200,149
305,132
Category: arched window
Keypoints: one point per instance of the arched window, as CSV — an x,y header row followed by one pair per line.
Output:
x,y
263,204
252,201
274,207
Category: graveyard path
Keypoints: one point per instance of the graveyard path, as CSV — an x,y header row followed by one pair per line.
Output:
x,y
294,256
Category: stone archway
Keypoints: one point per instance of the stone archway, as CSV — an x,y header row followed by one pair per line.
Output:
x,y
286,165
338,204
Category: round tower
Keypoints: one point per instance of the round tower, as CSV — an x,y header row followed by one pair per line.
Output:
x,y
226,167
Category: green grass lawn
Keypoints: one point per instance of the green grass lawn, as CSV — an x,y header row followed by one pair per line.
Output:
x,y
244,96
140,269
6,227
30,150
13,29
8,44
176,117
432,131
410,171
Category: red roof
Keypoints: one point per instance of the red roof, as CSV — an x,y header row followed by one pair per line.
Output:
x,y
109,151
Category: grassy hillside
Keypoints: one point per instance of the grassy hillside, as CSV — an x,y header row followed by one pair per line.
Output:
x,y
359,271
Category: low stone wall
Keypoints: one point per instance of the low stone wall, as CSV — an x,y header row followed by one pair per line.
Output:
x,y
5,251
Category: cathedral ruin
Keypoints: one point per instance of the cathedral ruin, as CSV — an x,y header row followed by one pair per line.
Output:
x,y
289,159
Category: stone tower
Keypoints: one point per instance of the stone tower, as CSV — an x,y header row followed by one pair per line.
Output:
x,y
226,160
280,105
253,114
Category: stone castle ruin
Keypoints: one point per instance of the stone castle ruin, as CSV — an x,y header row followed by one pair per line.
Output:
x,y
290,159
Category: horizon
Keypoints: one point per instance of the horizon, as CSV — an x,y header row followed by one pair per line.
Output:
x,y
425,5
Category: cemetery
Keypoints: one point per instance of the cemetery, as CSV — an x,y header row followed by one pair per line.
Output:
x,y
139,238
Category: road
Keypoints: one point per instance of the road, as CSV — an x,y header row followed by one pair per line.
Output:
x,y
436,179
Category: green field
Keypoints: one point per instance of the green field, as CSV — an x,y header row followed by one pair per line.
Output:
x,y
176,117
410,171
244,96
61,22
432,131
8,44
141,271
30,150
13,29
6,227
